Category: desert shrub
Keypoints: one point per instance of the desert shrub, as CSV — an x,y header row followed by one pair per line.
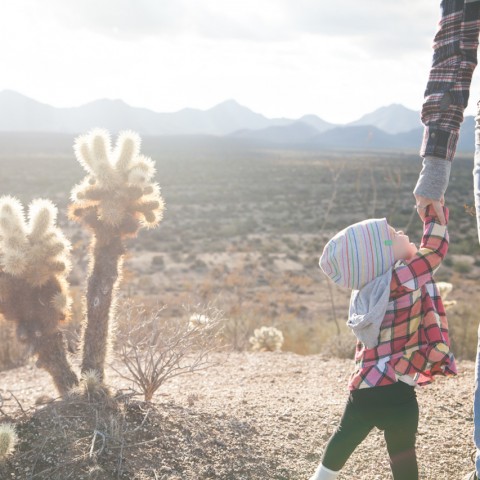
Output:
x,y
448,261
199,265
158,262
146,284
238,329
462,266
463,327
443,275
340,346
156,348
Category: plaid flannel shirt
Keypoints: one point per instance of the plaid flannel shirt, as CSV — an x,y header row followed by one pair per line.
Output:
x,y
414,337
454,60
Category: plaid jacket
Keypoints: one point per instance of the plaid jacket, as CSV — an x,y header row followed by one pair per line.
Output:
x,y
413,336
454,60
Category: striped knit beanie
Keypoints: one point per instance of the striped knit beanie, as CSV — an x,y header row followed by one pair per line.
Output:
x,y
358,254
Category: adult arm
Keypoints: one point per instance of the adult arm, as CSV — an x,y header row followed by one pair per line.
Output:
x,y
446,96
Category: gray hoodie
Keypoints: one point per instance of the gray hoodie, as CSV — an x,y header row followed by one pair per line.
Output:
x,y
368,307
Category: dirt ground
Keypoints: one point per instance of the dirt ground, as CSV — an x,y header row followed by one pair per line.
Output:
x,y
252,416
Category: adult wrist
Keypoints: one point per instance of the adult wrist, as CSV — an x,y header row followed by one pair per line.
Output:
x,y
433,179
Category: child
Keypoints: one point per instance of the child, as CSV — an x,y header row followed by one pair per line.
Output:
x,y
398,317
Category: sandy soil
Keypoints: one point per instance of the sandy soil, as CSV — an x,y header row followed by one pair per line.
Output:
x,y
265,415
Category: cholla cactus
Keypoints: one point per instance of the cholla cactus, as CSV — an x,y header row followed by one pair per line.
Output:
x,y
268,339
8,440
198,320
34,293
90,386
116,198
445,288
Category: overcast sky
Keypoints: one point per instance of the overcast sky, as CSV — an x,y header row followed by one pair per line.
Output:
x,y
283,58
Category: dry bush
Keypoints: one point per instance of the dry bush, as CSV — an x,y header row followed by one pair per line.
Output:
x,y
304,336
463,326
155,349
462,322
238,329
340,346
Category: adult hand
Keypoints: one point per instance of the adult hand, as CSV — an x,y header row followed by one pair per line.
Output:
x,y
423,202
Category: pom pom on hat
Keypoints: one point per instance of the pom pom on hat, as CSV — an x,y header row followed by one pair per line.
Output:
x,y
358,254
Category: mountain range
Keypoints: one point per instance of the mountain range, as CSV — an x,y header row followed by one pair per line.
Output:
x,y
393,126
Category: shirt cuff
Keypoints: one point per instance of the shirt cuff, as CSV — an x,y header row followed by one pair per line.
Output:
x,y
439,143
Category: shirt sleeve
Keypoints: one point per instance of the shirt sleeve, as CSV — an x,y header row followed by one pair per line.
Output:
x,y
433,179
447,92
414,273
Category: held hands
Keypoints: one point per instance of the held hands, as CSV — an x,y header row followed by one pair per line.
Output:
x,y
423,202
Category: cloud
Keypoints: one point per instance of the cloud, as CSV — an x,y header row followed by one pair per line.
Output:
x,y
377,26
121,18
380,26
137,19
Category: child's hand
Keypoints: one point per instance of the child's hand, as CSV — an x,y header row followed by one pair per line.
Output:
x,y
430,212
423,204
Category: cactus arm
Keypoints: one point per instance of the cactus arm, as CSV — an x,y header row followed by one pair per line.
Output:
x,y
52,356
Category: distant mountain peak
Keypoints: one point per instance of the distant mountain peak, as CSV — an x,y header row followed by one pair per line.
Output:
x,y
11,93
10,99
316,122
394,106
229,105
111,100
394,118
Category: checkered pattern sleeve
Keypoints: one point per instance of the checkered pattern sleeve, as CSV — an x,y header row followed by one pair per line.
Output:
x,y
454,60
414,273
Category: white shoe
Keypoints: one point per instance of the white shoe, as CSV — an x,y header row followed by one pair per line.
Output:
x,y
324,473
